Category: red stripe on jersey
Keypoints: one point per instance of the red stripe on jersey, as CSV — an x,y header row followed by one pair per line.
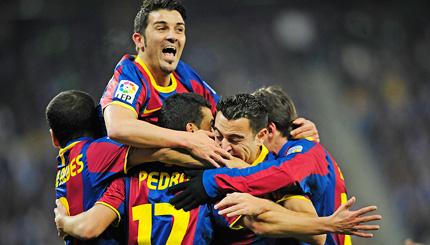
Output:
x,y
74,184
287,173
199,89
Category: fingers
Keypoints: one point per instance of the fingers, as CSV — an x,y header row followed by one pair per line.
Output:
x,y
223,154
181,200
366,210
306,129
176,188
362,234
366,227
369,218
349,203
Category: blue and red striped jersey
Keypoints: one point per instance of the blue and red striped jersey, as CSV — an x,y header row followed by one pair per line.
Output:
x,y
85,168
141,197
303,162
133,86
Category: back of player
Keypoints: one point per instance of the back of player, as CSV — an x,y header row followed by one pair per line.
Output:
x,y
84,166
151,219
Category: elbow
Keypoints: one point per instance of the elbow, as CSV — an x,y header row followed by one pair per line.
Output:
x,y
115,133
88,232
319,240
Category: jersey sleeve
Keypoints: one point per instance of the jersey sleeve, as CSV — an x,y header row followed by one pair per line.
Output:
x,y
106,158
307,167
126,88
114,198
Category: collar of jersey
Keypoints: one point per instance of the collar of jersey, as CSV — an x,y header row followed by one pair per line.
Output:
x,y
167,89
68,147
260,158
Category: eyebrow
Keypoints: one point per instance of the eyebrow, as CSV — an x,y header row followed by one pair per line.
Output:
x,y
165,23
230,136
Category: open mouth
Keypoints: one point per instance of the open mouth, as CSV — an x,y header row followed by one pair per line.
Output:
x,y
169,52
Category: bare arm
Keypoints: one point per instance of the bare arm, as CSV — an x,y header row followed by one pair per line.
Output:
x,y
178,157
86,225
123,126
267,217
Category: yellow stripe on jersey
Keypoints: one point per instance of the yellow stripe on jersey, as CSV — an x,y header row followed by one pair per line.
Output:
x,y
120,104
260,158
125,160
114,209
167,89
291,196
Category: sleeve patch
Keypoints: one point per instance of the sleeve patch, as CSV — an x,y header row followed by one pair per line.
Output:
x,y
295,149
126,91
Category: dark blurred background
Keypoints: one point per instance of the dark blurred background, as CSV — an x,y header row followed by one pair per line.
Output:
x,y
359,70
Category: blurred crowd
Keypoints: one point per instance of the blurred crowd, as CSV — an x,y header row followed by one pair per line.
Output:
x,y
379,54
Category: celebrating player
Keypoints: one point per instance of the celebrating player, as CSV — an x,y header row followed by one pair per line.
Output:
x,y
304,162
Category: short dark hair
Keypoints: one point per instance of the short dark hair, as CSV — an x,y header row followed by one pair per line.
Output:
x,y
280,107
141,20
182,108
71,115
244,106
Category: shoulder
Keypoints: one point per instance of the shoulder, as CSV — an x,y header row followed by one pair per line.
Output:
x,y
302,146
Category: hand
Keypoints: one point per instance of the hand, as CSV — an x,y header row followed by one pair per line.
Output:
x,y
349,222
305,130
193,192
243,204
201,144
60,211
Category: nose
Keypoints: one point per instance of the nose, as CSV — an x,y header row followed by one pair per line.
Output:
x,y
226,145
171,35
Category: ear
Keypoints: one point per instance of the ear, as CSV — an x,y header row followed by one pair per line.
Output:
x,y
139,40
261,136
191,127
55,142
271,129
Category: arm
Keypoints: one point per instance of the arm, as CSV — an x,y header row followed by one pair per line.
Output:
x,y
178,157
266,217
123,127
86,225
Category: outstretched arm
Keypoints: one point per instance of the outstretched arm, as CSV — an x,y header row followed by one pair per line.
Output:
x,y
270,219
86,225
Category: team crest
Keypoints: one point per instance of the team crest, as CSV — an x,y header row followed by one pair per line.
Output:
x,y
295,149
126,91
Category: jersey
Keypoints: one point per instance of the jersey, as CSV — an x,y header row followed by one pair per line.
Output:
x,y
143,199
304,162
85,168
133,86
227,232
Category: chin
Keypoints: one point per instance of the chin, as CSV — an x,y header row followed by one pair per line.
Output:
x,y
169,68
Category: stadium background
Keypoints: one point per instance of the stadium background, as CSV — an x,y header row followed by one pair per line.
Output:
x,y
360,71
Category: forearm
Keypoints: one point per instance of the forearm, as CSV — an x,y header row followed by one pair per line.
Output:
x,y
288,224
89,224
142,134
177,157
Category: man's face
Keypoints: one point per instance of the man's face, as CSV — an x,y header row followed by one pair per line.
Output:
x,y
164,40
236,137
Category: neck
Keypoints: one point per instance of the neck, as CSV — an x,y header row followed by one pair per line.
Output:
x,y
161,78
277,143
